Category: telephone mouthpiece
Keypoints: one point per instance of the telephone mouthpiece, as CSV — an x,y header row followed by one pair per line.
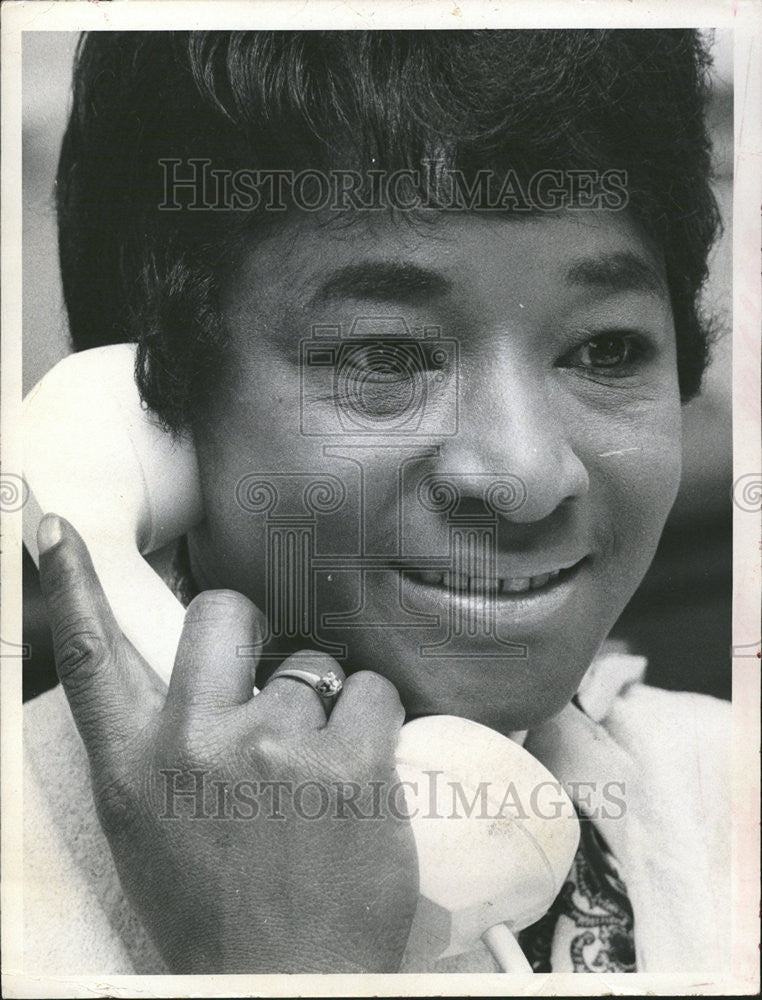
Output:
x,y
495,833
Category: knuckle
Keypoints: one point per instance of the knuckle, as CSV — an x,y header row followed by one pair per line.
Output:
x,y
311,659
370,684
214,606
80,648
274,752
269,752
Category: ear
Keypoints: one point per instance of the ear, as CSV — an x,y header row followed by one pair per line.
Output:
x,y
95,455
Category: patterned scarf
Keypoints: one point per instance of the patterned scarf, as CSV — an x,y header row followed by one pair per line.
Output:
x,y
589,927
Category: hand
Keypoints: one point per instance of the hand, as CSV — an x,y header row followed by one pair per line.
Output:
x,y
178,775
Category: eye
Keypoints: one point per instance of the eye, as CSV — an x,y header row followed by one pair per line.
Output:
x,y
380,363
379,379
611,353
388,379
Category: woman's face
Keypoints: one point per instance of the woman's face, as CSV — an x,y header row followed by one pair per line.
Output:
x,y
492,406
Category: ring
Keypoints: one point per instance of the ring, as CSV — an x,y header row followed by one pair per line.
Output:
x,y
328,686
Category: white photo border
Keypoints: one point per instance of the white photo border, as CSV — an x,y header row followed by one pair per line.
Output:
x,y
745,20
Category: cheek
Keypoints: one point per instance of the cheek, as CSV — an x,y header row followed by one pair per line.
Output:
x,y
636,478
243,440
256,469
226,547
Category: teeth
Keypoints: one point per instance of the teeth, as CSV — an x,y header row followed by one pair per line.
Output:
x,y
520,584
486,585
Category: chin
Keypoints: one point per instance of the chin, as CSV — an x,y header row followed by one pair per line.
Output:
x,y
506,695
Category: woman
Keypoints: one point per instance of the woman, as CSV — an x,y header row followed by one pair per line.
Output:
x,y
406,263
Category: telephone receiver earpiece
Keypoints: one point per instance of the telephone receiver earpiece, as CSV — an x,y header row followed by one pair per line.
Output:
x,y
95,455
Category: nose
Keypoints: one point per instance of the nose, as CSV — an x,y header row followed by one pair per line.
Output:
x,y
513,424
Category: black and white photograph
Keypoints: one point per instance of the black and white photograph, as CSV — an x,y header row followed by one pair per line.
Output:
x,y
380,498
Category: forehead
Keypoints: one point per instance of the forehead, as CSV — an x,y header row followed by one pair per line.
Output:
x,y
463,260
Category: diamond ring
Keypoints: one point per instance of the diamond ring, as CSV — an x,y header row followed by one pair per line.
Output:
x,y
328,685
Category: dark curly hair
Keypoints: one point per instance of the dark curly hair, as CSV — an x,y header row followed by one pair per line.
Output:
x,y
497,100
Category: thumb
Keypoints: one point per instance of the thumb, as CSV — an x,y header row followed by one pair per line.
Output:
x,y
110,689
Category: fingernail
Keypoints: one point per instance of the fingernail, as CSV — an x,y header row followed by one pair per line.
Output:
x,y
49,532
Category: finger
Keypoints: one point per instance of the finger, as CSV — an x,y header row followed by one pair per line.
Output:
x,y
368,712
293,702
218,652
111,690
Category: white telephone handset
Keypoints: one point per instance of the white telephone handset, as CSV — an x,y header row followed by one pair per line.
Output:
x,y
96,456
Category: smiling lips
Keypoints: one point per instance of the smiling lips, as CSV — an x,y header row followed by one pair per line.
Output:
x,y
465,584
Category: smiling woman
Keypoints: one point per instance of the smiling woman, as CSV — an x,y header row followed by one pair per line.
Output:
x,y
563,360
436,451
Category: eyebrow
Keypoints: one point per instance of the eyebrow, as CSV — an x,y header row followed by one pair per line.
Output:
x,y
405,282
382,281
617,272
